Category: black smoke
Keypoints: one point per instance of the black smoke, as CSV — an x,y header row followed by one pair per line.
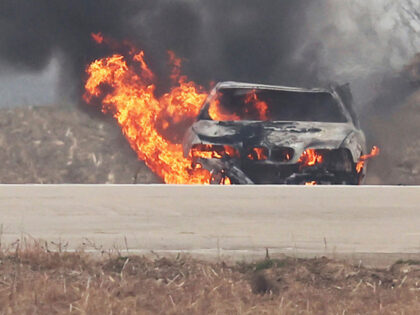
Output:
x,y
243,40
33,32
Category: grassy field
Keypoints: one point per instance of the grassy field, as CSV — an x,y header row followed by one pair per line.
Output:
x,y
36,281
57,144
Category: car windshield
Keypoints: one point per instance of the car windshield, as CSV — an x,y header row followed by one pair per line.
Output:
x,y
274,105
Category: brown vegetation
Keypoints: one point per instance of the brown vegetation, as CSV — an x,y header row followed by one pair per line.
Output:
x,y
56,145
37,281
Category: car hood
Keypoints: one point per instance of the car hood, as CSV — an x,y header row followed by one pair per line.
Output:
x,y
297,135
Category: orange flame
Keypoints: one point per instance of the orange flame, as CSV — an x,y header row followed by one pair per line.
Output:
x,y
261,106
210,151
97,37
252,102
258,154
362,160
226,181
310,157
176,67
125,86
313,183
216,112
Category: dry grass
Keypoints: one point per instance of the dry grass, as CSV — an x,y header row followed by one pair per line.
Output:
x,y
36,281
55,145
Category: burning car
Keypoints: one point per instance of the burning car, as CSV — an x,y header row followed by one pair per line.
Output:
x,y
261,134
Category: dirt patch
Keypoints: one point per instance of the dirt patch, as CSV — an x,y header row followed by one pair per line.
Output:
x,y
35,280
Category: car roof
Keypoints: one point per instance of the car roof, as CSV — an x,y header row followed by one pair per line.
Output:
x,y
243,85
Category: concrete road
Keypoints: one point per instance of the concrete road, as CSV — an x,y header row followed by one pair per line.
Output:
x,y
217,220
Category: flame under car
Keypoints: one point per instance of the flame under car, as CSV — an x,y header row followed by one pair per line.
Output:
x,y
261,134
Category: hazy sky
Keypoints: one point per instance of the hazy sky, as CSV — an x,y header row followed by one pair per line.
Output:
x,y
26,89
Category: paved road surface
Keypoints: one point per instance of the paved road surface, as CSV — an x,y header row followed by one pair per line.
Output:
x,y
216,220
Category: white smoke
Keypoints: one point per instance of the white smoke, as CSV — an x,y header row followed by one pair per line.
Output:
x,y
360,41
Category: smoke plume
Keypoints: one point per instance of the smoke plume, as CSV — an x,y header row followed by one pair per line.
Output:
x,y
34,32
219,40
299,42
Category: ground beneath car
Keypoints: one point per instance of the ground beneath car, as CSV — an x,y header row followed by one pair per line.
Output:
x,y
58,144
36,280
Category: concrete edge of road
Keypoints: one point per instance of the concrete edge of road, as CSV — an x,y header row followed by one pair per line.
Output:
x,y
372,224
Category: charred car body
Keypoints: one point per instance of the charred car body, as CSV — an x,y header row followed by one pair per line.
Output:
x,y
262,134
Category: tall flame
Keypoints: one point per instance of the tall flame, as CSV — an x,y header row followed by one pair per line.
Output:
x,y
125,86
